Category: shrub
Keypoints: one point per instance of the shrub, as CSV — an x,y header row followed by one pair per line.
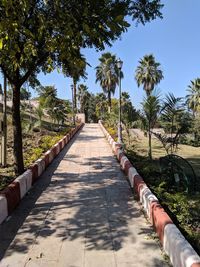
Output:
x,y
32,155
45,143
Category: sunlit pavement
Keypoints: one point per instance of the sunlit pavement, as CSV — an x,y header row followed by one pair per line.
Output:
x,y
81,213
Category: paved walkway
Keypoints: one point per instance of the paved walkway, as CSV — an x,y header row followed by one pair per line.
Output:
x,y
80,214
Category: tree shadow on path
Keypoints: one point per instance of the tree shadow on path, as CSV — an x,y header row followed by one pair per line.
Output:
x,y
95,206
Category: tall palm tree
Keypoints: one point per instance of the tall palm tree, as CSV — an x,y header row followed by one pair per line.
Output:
x,y
82,96
193,98
75,69
148,73
171,111
107,75
151,108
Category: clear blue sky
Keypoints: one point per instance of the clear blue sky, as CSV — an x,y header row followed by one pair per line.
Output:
x,y
174,41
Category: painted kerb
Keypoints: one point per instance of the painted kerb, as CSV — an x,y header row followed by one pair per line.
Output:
x,y
14,192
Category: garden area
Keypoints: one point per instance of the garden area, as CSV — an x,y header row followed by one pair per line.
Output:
x,y
162,141
182,207
45,120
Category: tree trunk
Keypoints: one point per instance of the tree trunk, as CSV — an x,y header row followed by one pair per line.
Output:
x,y
150,152
4,134
75,104
172,146
109,102
17,131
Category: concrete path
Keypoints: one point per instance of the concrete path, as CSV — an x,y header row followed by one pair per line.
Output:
x,y
80,214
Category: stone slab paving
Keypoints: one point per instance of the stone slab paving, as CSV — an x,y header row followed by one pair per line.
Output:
x,y
80,214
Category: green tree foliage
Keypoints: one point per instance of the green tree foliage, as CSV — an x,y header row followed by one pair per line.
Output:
x,y
41,35
196,129
101,106
55,107
173,120
88,103
68,106
76,70
24,94
171,111
39,113
90,108
59,112
193,98
112,118
148,73
107,74
47,96
151,108
83,96
129,114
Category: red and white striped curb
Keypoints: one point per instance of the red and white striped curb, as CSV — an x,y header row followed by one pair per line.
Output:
x,y
132,172
25,182
14,192
174,244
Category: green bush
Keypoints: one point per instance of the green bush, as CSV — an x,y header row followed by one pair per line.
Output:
x,y
182,207
48,141
188,140
45,143
32,155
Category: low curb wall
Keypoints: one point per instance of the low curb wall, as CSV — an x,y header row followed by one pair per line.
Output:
x,y
14,192
174,244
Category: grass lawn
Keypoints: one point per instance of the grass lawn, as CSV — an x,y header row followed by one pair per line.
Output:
x,y
190,153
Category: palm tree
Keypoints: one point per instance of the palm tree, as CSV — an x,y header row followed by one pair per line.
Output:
x,y
107,74
171,111
101,105
128,111
54,106
59,111
151,108
193,98
82,96
47,96
148,73
76,69
39,113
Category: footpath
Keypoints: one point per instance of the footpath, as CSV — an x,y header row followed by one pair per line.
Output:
x,y
80,213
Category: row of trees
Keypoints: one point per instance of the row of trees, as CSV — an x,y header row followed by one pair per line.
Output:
x,y
172,110
43,35
169,114
97,106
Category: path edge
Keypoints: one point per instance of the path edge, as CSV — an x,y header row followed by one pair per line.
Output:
x,y
174,244
11,196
